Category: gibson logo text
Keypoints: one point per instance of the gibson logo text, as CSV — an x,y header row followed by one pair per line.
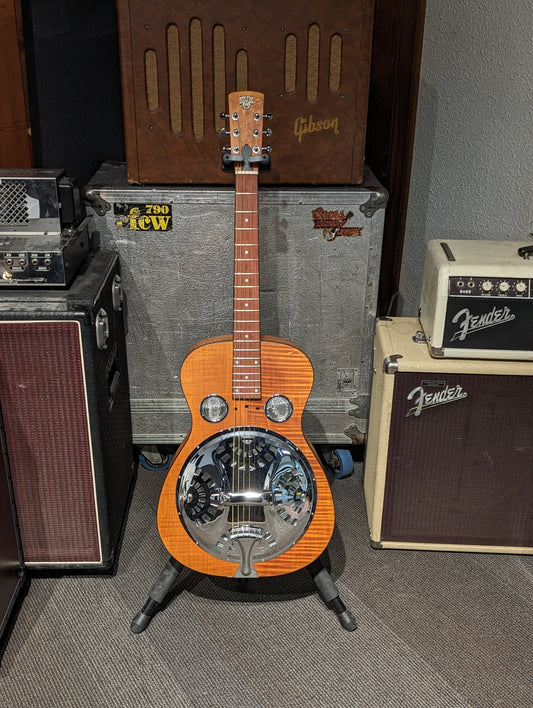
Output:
x,y
303,126
425,400
471,323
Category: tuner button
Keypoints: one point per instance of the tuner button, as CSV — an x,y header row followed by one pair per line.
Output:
x,y
267,116
267,132
224,115
224,133
267,148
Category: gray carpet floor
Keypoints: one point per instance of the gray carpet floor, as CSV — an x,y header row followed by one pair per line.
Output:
x,y
435,629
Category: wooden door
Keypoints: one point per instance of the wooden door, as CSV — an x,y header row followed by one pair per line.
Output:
x,y
15,142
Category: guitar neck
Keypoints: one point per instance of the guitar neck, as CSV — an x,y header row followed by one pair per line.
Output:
x,y
246,315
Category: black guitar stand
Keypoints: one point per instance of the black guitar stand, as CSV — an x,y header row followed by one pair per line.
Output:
x,y
330,594
321,577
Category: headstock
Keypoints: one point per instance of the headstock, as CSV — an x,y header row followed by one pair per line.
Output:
x,y
245,129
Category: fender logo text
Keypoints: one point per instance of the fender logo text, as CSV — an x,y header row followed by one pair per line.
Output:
x,y
423,400
471,323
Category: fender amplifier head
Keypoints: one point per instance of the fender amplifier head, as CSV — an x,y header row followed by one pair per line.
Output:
x,y
477,299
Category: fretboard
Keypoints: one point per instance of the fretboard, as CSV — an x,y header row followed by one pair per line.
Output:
x,y
246,319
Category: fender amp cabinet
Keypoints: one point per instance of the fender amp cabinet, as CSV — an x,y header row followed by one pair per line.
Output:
x,y
477,299
449,451
65,402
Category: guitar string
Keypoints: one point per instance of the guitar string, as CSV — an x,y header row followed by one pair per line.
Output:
x,y
246,198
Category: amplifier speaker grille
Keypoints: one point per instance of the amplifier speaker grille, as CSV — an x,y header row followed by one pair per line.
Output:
x,y
44,400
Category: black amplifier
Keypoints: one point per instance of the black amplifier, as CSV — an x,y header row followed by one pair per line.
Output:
x,y
44,234
477,299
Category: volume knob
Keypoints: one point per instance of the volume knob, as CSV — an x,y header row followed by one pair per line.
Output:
x,y
486,286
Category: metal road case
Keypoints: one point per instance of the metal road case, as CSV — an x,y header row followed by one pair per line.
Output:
x,y
449,448
320,253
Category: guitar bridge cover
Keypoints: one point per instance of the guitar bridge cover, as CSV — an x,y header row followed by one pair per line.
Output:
x,y
249,526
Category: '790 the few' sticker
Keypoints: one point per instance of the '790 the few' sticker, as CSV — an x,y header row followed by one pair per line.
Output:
x,y
143,217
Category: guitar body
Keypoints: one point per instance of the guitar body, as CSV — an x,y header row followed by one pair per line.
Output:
x,y
246,496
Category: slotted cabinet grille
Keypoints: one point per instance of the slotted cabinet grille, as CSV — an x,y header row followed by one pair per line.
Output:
x,y
180,60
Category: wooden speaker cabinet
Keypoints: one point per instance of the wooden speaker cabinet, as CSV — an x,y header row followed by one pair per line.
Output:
x,y
65,402
449,450
179,60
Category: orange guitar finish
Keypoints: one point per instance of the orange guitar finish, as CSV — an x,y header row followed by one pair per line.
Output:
x,y
207,369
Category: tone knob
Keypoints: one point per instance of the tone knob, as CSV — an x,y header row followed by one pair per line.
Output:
x,y
504,286
486,286
520,287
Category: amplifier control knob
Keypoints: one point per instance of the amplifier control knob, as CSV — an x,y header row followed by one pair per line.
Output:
x,y
486,286
504,286
520,287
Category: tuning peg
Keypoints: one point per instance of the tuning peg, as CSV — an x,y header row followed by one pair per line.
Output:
x,y
224,115
267,132
224,133
267,148
226,149
267,116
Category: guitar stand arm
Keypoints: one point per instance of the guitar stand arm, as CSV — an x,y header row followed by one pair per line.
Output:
x,y
262,161
330,594
157,594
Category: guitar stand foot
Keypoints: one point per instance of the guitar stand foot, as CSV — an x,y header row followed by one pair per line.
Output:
x,y
330,594
157,594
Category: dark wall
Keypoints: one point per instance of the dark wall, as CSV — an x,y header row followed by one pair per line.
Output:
x,y
74,84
